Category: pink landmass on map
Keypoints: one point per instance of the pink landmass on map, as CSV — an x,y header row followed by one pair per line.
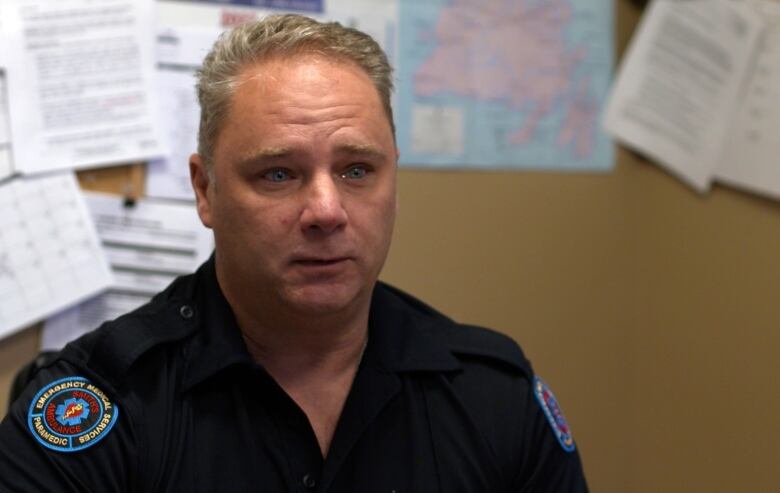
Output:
x,y
510,51
580,123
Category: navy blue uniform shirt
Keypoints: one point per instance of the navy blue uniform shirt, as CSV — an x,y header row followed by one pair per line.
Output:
x,y
167,398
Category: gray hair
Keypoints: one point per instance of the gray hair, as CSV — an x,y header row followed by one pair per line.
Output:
x,y
274,36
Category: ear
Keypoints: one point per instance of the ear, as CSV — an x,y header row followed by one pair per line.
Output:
x,y
201,184
397,201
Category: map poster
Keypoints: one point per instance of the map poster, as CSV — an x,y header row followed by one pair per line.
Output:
x,y
504,83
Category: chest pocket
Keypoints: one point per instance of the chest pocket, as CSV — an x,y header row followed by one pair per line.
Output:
x,y
464,459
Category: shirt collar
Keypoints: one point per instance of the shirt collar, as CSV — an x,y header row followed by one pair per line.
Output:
x,y
400,338
218,343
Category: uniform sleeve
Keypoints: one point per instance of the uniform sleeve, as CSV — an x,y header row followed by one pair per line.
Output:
x,y
552,463
525,446
70,441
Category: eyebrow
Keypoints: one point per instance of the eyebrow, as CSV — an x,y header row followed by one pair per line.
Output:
x,y
281,152
361,149
267,153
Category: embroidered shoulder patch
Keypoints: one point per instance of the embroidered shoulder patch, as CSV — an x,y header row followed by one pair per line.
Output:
x,y
554,414
71,414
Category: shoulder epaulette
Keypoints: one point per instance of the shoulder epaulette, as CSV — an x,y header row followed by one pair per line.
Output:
x,y
113,348
132,335
466,340
472,341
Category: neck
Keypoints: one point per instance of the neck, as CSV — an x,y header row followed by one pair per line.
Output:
x,y
302,347
285,340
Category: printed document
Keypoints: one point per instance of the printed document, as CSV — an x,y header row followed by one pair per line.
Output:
x,y
80,82
180,52
751,159
6,166
678,88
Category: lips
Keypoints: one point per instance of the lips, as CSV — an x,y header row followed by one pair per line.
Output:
x,y
320,261
317,261
321,268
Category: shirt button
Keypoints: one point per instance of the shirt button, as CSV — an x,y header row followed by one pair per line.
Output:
x,y
186,311
309,482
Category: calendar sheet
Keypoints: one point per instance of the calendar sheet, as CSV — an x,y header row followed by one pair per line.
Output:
x,y
50,255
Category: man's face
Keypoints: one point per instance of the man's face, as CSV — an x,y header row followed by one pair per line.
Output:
x,y
303,196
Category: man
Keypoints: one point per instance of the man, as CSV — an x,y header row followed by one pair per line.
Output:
x,y
282,364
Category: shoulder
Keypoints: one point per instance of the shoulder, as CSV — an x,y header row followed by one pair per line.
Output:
x,y
507,406
110,351
108,357
68,427
105,388
471,345
118,362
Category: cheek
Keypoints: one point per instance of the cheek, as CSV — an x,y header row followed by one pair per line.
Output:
x,y
390,201
244,208
379,218
271,226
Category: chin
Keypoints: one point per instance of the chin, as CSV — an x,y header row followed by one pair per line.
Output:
x,y
323,300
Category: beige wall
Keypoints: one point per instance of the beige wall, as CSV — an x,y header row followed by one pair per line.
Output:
x,y
650,310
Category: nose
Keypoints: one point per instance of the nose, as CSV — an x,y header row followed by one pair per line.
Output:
x,y
323,208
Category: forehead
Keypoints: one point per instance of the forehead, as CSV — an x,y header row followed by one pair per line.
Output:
x,y
299,101
305,89
307,80
303,74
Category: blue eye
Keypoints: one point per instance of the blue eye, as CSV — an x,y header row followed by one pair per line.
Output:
x,y
277,175
355,173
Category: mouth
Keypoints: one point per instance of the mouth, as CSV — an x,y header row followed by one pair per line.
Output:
x,y
320,262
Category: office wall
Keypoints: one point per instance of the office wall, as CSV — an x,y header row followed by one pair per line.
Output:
x,y
650,310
